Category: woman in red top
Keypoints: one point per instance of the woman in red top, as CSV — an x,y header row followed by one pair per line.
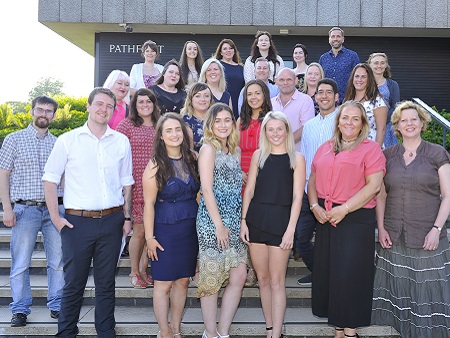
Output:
x,y
255,106
139,127
346,174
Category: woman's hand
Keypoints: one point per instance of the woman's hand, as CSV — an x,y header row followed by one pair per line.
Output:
x,y
287,241
320,214
337,214
244,177
152,246
244,232
431,240
384,239
223,237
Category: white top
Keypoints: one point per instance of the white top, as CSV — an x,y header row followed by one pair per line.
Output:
x,y
315,132
95,170
137,75
249,69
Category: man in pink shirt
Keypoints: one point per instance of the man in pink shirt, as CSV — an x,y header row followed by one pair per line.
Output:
x,y
298,107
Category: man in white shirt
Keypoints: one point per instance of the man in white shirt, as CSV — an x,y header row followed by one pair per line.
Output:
x,y
298,107
96,164
262,71
315,132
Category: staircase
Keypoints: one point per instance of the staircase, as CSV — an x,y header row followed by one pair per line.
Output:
x,y
134,311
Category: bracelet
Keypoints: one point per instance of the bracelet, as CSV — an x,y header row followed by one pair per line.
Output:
x,y
242,218
348,209
313,206
439,228
127,219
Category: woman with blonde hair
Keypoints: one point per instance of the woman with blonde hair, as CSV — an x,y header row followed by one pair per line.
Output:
x,y
314,73
388,88
346,174
270,210
119,83
198,101
213,75
222,254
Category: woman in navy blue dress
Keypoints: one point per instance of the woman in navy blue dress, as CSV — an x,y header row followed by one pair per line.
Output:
x,y
170,184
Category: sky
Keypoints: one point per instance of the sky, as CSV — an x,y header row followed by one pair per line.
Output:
x,y
30,51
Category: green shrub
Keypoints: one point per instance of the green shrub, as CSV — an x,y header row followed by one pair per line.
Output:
x,y
6,131
6,116
22,120
76,103
435,133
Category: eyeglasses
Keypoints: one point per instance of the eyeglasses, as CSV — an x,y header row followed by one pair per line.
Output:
x,y
41,111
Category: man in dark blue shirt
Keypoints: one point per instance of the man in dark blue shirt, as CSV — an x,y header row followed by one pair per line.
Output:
x,y
339,62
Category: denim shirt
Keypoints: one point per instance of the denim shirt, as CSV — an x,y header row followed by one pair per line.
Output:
x,y
339,67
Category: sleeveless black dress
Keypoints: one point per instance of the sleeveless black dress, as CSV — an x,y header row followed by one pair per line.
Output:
x,y
270,208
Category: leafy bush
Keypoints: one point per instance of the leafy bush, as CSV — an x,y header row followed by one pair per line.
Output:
x,y
6,116
22,120
78,104
435,133
6,131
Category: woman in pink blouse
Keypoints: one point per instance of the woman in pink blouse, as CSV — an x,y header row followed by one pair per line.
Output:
x,y
139,127
119,83
346,174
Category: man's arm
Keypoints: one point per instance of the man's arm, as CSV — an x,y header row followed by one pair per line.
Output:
x,y
9,217
51,199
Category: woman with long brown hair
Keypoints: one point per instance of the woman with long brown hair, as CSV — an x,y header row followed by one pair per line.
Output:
x,y
171,184
191,62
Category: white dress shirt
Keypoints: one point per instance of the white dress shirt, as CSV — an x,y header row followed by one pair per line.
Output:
x,y
95,170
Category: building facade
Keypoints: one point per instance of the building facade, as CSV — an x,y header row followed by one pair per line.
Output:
x,y
414,34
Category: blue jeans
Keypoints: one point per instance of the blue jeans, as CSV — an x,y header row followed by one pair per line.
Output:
x,y
29,221
306,225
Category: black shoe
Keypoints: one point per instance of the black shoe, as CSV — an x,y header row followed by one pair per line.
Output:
x,y
54,314
19,319
305,282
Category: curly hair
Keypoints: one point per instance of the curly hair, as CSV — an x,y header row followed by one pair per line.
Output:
x,y
255,53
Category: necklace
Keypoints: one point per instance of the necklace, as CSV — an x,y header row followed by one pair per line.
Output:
x,y
348,141
411,152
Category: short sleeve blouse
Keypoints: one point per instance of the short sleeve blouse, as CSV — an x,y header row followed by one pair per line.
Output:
x,y
340,176
413,192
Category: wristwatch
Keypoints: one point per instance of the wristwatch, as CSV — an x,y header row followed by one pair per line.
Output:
x,y
313,206
439,228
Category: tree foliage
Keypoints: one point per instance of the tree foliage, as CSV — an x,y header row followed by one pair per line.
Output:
x,y
46,86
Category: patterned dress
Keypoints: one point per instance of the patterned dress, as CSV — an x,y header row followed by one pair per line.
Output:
x,y
141,141
215,263
197,129
369,106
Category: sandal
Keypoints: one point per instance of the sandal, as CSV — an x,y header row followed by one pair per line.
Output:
x,y
148,280
137,281
177,334
355,335
220,336
205,336
251,278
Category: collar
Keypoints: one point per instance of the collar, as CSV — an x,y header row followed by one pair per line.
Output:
x,y
294,96
343,49
34,133
332,115
84,129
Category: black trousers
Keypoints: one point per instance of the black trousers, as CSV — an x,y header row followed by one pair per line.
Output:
x,y
96,239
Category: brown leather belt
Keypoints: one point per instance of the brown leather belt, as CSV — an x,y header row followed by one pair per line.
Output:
x,y
92,213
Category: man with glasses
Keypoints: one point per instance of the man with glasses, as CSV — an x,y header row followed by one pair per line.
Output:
x,y
22,159
297,106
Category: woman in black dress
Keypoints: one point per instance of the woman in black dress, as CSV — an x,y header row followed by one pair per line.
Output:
x,y
270,210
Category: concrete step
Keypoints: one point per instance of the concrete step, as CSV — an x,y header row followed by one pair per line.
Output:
x,y
140,321
128,296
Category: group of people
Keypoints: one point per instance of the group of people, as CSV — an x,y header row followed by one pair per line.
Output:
x,y
222,169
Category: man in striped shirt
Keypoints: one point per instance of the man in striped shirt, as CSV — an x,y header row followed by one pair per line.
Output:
x,y
315,132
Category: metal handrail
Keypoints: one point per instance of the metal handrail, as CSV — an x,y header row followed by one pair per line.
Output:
x,y
438,118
